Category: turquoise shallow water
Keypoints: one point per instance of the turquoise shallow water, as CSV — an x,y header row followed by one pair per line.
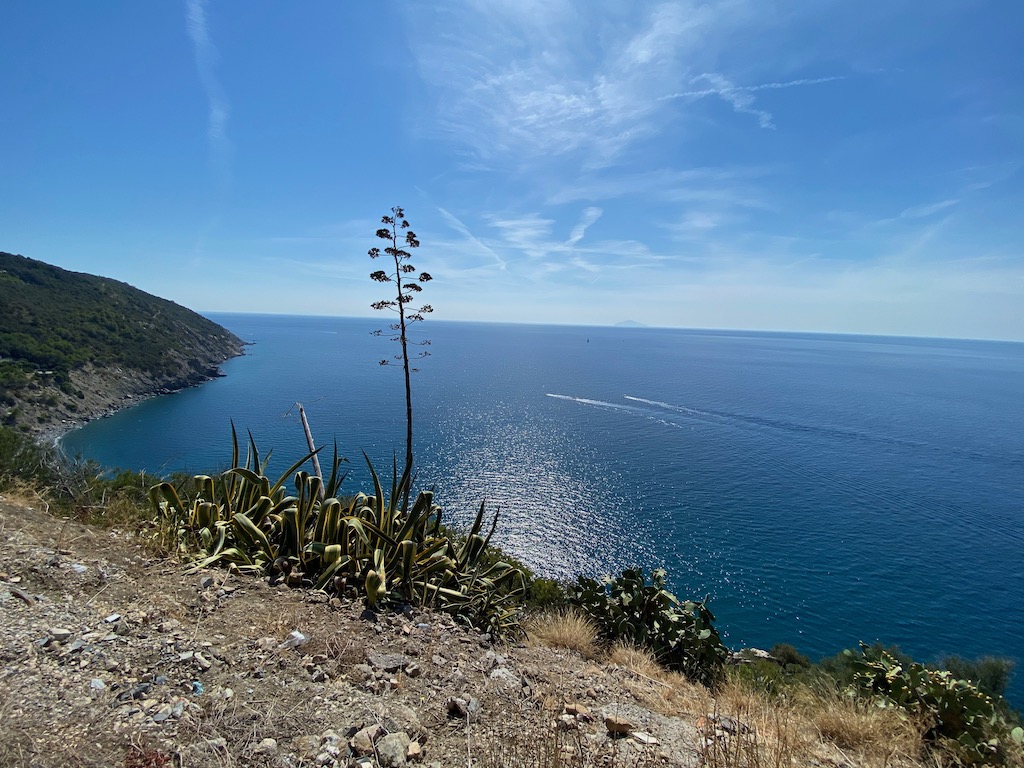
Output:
x,y
819,489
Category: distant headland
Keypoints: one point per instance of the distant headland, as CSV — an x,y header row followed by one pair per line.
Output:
x,y
74,346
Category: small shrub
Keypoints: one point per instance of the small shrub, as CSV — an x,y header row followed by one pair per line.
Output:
x,y
681,635
786,655
762,676
545,594
25,461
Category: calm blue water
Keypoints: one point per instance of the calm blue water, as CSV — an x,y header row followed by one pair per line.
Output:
x,y
820,489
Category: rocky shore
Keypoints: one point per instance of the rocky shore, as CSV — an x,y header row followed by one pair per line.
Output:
x,y
105,391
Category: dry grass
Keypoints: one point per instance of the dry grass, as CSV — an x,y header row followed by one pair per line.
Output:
x,y
805,726
637,660
563,629
22,494
874,735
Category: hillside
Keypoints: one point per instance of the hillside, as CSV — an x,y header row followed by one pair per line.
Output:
x,y
74,346
112,656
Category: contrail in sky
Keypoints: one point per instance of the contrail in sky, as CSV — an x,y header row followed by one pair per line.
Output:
x,y
206,59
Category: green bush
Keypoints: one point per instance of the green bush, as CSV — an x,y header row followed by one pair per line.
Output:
x,y
989,673
545,594
840,670
24,460
681,635
787,656
765,677
959,717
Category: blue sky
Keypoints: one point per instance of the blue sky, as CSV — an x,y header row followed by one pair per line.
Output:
x,y
757,164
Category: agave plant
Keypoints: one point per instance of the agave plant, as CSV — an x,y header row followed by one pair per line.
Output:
x,y
368,543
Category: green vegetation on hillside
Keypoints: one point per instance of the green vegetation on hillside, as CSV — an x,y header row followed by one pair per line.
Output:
x,y
53,321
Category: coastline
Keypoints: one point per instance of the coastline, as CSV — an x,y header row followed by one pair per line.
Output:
x,y
106,391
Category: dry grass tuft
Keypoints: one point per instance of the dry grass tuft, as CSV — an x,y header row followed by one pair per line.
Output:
x,y
873,734
638,660
563,629
22,494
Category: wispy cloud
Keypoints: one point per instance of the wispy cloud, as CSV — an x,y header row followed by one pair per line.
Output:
x,y
590,215
741,97
923,211
206,63
463,230
518,82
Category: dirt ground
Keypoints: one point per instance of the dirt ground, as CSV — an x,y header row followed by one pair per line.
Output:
x,y
110,657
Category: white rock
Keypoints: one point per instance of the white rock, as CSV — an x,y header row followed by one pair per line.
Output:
x,y
294,640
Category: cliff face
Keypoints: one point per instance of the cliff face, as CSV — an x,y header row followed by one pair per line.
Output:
x,y
76,346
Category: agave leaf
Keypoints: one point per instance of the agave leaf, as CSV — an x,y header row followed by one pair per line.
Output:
x,y
329,572
291,470
335,480
378,492
249,533
165,500
230,555
234,445
478,522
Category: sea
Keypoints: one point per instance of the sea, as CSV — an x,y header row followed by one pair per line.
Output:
x,y
818,490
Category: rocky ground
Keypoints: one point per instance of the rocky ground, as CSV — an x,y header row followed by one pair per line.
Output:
x,y
110,657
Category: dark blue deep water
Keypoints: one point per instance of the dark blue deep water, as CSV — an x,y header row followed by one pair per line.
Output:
x,y
820,489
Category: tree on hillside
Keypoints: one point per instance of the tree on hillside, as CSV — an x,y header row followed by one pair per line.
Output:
x,y
406,285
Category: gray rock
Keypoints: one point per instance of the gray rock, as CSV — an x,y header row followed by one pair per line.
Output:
x,y
403,718
361,672
388,662
464,708
393,749
505,678
566,722
60,635
644,738
294,640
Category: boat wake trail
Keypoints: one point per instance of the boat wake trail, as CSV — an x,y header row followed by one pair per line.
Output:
x,y
779,432
597,403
